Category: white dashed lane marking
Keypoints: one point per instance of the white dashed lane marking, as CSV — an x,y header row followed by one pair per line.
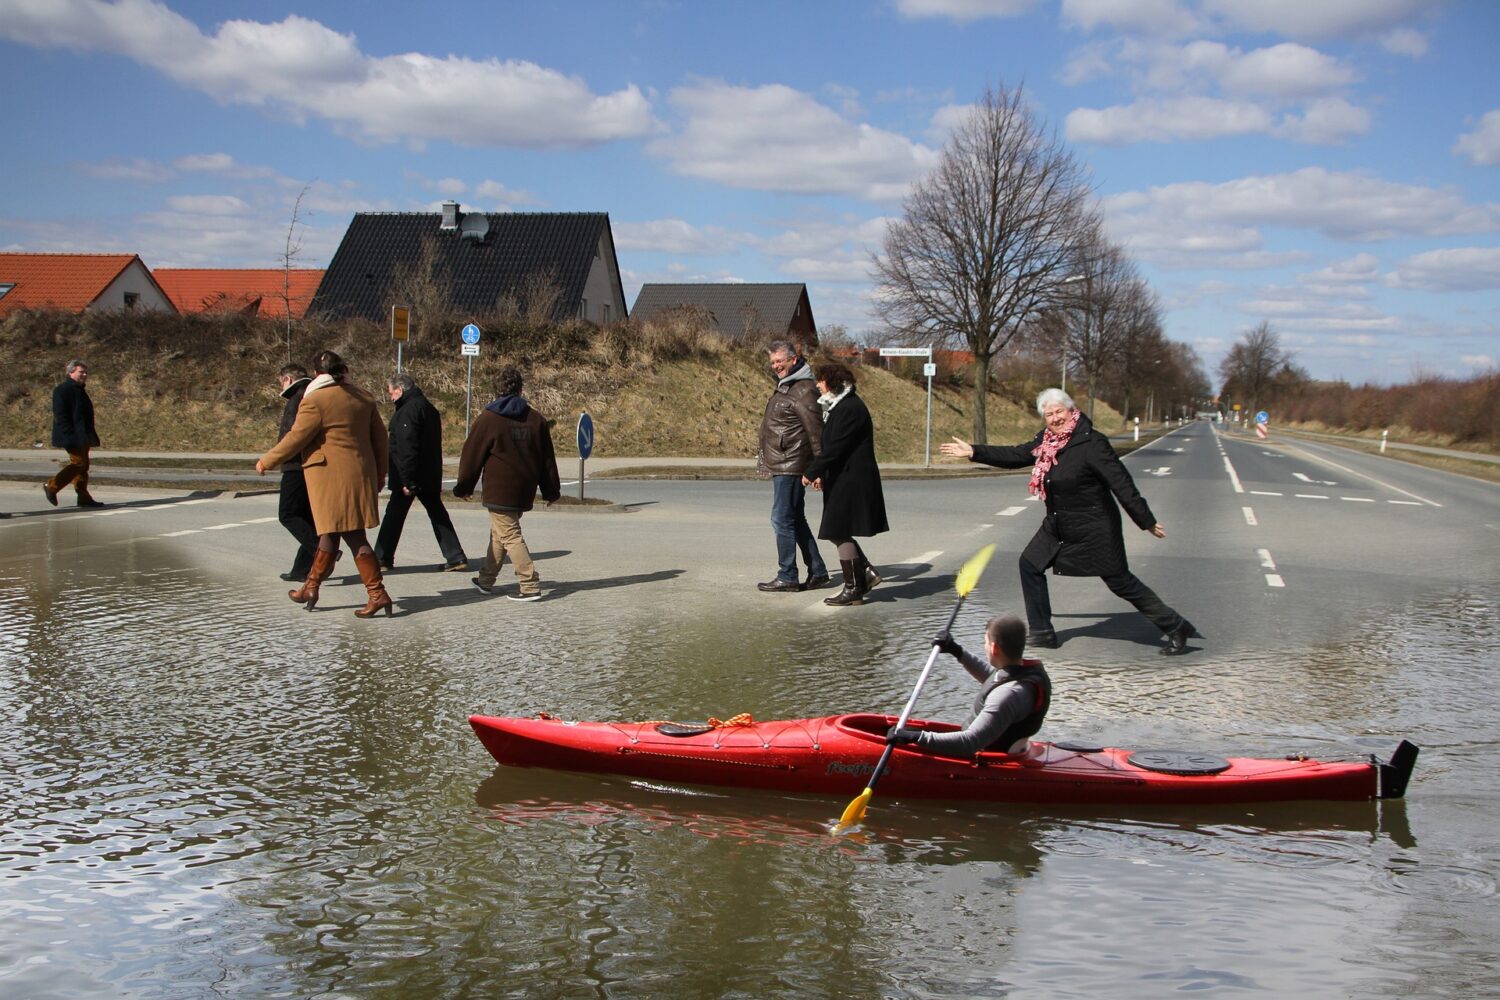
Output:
x,y
1249,516
1009,512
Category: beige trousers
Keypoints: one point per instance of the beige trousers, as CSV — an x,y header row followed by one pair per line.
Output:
x,y
506,540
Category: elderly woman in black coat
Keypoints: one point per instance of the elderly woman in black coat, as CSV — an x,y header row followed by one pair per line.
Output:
x,y
1075,471
847,476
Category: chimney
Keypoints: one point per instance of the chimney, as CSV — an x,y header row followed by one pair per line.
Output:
x,y
450,216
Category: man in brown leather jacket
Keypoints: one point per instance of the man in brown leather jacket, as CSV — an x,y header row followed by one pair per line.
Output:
x,y
791,435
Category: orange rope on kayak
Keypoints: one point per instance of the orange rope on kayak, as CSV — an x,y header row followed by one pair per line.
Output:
x,y
743,719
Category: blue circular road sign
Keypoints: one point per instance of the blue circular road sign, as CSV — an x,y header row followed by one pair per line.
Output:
x,y
470,334
585,434
1262,417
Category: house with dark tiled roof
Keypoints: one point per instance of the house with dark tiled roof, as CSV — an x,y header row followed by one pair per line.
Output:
x,y
78,282
738,310
249,291
476,260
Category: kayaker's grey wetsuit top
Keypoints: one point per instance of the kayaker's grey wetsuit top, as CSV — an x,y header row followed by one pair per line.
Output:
x,y
1009,709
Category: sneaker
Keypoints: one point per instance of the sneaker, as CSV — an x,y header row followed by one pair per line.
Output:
x,y
484,588
462,566
816,582
779,586
51,493
524,597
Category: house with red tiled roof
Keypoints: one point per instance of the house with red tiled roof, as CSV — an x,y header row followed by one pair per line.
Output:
x,y
245,290
79,282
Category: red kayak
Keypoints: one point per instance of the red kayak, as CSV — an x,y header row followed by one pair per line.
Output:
x,y
834,755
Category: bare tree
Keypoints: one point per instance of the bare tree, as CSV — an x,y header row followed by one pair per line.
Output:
x,y
1099,312
1254,364
289,256
424,286
985,239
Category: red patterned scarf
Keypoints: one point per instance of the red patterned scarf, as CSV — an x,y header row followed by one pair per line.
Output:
x,y
1046,454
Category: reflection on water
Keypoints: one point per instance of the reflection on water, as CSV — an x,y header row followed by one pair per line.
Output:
x,y
207,795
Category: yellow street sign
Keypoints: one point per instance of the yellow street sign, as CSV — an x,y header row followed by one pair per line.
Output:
x,y
400,322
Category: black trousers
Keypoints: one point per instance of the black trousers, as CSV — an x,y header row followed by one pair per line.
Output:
x,y
294,511
1124,585
395,519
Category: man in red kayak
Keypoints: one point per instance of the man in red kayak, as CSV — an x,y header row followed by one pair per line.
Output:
x,y
1012,702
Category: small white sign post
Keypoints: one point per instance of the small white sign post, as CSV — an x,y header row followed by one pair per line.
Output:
x,y
470,349
929,369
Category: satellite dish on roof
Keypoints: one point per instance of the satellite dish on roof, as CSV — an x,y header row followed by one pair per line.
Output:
x,y
474,226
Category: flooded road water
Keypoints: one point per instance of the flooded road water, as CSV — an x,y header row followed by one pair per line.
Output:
x,y
202,796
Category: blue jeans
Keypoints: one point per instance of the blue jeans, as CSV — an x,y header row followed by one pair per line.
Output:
x,y
789,520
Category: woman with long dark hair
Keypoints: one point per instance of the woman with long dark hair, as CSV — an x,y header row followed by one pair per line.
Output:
x,y
343,444
847,476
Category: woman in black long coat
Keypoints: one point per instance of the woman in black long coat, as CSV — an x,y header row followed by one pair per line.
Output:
x,y
847,476
1079,476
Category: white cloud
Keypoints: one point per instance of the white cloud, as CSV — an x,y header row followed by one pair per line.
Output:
x,y
208,204
1482,146
1479,362
1317,19
1356,270
134,169
1164,18
839,269
1326,121
1405,42
504,198
1340,205
673,236
1287,70
450,186
298,68
1455,269
1163,120
775,138
963,11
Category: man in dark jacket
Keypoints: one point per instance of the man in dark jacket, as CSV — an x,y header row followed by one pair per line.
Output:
x,y
293,508
416,473
1077,474
791,436
73,432
510,445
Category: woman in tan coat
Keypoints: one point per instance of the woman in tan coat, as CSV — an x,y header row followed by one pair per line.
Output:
x,y
342,441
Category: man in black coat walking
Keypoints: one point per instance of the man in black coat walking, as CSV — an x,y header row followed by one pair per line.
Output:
x,y
416,473
73,431
294,509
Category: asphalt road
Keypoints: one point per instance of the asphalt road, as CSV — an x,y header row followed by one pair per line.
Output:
x,y
1269,547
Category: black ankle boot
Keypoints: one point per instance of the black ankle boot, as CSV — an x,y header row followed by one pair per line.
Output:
x,y
854,589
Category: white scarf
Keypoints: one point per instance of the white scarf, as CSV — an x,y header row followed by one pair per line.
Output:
x,y
831,399
322,381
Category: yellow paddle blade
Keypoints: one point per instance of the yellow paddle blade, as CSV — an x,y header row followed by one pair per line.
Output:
x,y
973,569
854,812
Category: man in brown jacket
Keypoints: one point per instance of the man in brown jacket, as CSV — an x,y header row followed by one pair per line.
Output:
x,y
509,445
791,436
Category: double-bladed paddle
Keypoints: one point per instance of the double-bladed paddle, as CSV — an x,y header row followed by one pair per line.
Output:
x,y
967,578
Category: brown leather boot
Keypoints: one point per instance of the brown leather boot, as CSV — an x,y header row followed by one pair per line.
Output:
x,y
369,574
322,565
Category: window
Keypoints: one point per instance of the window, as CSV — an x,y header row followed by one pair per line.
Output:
x,y
131,298
5,287
605,316
583,308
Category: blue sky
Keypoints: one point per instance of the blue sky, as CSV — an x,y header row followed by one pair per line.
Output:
x,y
1329,166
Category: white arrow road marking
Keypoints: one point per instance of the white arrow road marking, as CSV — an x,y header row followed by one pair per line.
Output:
x,y
1308,479
1165,470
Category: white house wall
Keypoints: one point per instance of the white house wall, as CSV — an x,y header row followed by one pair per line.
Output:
x,y
136,279
600,289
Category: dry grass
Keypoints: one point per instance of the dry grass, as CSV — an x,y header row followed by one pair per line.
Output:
x,y
199,383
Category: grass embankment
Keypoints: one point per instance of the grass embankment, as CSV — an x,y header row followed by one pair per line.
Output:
x,y
207,384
